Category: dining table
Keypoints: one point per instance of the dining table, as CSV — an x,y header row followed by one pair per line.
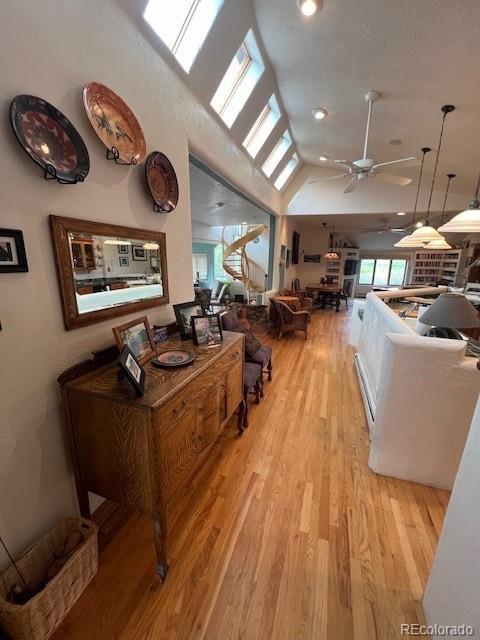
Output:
x,y
322,292
291,301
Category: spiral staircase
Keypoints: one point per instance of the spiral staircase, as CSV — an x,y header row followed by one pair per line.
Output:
x,y
236,261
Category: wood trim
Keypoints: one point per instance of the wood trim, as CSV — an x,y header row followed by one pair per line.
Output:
x,y
59,229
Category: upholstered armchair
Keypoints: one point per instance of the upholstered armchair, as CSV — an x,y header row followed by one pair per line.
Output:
x,y
287,320
306,303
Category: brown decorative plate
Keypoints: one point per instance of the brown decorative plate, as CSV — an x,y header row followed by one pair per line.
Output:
x,y
50,139
162,182
114,123
173,358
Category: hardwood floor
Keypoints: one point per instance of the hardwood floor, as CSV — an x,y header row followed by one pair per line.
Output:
x,y
285,534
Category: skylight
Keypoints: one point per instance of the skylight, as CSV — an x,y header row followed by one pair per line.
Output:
x,y
263,127
280,149
240,79
287,172
183,25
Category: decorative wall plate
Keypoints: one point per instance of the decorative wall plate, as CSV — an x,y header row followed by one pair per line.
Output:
x,y
162,182
50,139
173,358
114,123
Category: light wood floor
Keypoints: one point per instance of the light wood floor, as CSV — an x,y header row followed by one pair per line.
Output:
x,y
286,534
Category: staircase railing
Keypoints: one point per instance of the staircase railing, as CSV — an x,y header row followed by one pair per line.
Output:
x,y
237,263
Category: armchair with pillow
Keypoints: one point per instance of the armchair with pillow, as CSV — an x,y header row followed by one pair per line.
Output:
x,y
306,303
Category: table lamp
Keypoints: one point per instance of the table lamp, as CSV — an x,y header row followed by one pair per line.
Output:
x,y
449,312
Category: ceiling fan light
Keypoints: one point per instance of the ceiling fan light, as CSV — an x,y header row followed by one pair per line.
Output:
x,y
308,7
467,221
426,234
437,245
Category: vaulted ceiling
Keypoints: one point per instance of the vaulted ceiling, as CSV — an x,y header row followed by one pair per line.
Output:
x,y
418,54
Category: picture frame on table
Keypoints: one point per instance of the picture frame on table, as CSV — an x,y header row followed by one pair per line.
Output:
x,y
139,253
207,330
124,261
183,315
137,336
13,257
132,370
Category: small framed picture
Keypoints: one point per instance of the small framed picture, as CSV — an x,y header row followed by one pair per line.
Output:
x,y
123,249
13,258
287,260
139,253
131,369
207,331
183,315
124,261
137,336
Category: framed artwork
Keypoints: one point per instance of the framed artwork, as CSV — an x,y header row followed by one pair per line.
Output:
x,y
124,261
139,253
287,260
137,336
312,257
123,248
13,258
131,369
207,331
183,315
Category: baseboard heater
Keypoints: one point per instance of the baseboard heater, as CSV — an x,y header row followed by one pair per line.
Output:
x,y
366,390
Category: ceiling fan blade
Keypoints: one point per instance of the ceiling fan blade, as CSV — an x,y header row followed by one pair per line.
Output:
x,y
346,163
392,179
351,186
412,159
340,175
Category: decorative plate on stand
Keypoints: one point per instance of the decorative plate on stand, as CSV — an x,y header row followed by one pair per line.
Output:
x,y
162,182
173,358
115,124
50,139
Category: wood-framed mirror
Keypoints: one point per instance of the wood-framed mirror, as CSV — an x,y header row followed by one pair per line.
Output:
x,y
106,270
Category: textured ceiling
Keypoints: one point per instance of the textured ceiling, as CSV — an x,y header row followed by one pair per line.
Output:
x,y
420,54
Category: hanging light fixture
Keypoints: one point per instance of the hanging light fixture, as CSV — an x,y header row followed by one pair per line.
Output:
x,y
442,244
331,254
407,242
428,233
469,220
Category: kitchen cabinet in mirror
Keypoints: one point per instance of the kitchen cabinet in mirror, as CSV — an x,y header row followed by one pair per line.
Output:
x,y
107,270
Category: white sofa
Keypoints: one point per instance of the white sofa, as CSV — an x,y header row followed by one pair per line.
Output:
x,y
419,395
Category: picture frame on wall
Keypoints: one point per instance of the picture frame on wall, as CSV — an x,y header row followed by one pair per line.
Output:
x,y
139,253
131,369
124,261
123,249
287,259
137,336
13,257
207,330
312,257
183,315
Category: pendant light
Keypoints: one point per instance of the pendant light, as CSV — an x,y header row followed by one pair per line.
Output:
x,y
331,254
469,220
442,244
407,242
428,233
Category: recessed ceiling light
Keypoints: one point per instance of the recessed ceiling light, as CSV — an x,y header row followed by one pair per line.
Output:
x,y
419,224
400,213
308,7
319,113
244,222
323,158
395,142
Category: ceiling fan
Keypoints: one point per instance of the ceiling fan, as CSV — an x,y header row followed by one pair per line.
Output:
x,y
360,170
385,229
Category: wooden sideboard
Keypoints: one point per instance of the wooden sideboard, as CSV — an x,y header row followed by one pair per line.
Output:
x,y
139,451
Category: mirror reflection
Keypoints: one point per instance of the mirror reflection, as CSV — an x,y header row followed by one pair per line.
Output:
x,y
110,271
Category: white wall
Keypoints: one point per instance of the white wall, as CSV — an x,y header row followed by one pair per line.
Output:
x,y
451,596
51,50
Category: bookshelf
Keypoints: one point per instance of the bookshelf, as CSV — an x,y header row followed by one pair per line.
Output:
x,y
429,267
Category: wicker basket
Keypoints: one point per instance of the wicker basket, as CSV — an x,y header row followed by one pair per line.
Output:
x,y
40,616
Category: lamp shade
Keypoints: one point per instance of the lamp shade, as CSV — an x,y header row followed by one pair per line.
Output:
x,y
451,310
466,222
438,245
410,243
426,234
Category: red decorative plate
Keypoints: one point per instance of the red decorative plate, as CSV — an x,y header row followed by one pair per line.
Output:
x,y
162,182
114,123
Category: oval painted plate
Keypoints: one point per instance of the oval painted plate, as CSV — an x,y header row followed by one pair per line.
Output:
x,y
49,138
162,181
114,123
173,358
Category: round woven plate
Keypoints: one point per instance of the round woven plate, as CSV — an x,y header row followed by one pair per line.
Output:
x,y
49,138
173,358
114,123
162,181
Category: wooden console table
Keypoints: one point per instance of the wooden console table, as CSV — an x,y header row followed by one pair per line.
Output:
x,y
139,451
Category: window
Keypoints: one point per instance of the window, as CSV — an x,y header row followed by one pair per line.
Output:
x,y
200,266
239,81
263,127
183,25
218,271
286,173
382,272
277,154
